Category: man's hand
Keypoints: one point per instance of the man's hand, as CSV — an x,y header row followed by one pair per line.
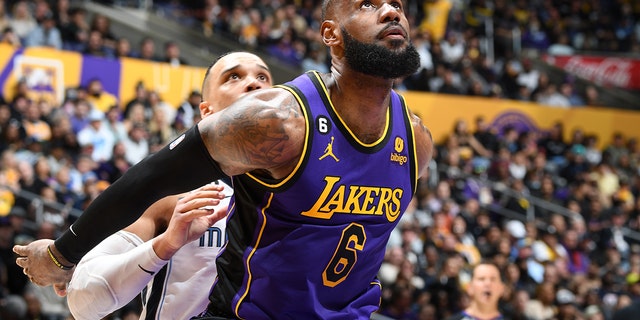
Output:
x,y
37,264
193,215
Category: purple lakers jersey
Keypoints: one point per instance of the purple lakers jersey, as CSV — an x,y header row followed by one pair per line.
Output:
x,y
309,246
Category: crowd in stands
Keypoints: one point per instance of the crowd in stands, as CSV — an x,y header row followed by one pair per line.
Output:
x,y
461,57
559,215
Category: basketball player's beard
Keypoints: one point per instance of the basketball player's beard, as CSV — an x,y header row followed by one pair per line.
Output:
x,y
379,61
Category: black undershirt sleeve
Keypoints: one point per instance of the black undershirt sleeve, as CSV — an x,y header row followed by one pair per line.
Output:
x,y
183,165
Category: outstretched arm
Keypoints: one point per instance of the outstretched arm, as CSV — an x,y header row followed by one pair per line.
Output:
x,y
119,268
180,166
263,131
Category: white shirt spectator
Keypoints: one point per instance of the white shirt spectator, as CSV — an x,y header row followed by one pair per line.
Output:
x,y
136,144
97,135
529,79
452,49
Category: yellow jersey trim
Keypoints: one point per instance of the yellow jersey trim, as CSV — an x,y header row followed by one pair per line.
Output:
x,y
304,147
368,145
255,247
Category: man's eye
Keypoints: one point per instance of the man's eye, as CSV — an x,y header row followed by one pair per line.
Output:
x,y
234,76
366,4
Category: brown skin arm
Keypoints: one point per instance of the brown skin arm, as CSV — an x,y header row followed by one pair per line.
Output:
x,y
155,219
263,130
150,224
424,145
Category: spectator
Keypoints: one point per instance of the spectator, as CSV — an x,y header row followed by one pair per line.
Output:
x,y
95,46
485,291
190,109
22,21
10,37
147,50
567,309
567,89
541,306
561,47
5,20
529,76
172,54
111,170
36,128
99,98
315,59
102,24
628,312
449,83
80,115
615,149
114,123
141,97
534,36
136,144
95,139
75,33
123,48
46,34
592,96
551,97
452,48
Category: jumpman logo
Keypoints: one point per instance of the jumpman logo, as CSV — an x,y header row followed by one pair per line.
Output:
x,y
328,151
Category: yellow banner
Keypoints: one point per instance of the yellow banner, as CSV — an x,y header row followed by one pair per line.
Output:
x,y
172,83
440,112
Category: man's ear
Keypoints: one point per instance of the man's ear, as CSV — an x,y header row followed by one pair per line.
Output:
x,y
205,109
330,32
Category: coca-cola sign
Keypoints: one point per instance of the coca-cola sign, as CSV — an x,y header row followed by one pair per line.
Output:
x,y
605,71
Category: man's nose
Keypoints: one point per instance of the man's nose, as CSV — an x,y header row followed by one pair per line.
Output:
x,y
389,13
254,84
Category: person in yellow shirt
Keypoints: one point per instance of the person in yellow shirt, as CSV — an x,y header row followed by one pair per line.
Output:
x,y
435,17
100,99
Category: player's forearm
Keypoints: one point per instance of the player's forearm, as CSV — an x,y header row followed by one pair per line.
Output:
x,y
162,248
112,274
180,166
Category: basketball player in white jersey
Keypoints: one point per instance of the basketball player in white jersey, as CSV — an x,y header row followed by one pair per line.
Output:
x,y
175,281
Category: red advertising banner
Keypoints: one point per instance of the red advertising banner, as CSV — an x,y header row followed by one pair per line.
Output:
x,y
605,71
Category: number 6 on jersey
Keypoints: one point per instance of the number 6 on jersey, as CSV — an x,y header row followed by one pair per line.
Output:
x,y
345,256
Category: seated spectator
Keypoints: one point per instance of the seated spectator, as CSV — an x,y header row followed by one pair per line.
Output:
x,y
146,50
136,144
541,307
95,46
102,24
75,33
529,76
10,37
561,47
95,139
123,48
46,34
35,128
452,48
172,54
286,50
22,20
98,97
190,109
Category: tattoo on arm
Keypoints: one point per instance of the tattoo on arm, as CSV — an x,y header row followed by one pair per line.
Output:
x,y
262,134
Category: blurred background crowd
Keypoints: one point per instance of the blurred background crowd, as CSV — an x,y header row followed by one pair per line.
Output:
x,y
559,215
